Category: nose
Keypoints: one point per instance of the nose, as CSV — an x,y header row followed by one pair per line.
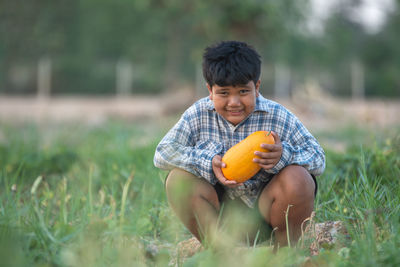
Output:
x,y
234,101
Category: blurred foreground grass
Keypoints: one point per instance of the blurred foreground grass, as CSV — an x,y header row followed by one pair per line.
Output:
x,y
79,195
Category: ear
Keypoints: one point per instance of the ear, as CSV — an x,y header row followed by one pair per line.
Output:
x,y
210,91
258,88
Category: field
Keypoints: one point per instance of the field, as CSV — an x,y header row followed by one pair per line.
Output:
x,y
79,194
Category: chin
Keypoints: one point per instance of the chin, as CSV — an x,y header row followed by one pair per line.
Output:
x,y
235,121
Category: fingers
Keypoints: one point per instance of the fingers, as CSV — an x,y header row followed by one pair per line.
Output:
x,y
267,163
276,137
268,160
268,155
217,162
222,179
272,147
229,183
217,165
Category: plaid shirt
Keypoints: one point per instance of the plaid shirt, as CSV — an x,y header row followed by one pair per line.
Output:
x,y
201,133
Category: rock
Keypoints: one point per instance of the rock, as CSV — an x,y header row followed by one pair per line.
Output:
x,y
324,235
184,250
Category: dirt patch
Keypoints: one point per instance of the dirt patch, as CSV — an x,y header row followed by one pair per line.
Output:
x,y
317,114
92,110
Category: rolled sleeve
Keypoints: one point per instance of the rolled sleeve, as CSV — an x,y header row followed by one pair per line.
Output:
x,y
178,149
204,164
301,148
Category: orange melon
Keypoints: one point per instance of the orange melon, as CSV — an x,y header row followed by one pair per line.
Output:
x,y
239,158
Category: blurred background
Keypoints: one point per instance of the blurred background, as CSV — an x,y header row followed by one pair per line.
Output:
x,y
89,87
141,49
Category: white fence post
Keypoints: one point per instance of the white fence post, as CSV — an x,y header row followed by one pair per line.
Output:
x,y
124,77
200,87
282,82
44,78
357,80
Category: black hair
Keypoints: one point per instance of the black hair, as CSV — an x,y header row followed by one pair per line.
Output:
x,y
231,63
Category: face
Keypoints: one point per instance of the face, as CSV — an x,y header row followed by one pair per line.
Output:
x,y
234,103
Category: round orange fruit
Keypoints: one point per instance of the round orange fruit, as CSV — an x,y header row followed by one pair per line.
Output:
x,y
239,158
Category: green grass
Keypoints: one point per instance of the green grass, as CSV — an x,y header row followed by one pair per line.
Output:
x,y
79,195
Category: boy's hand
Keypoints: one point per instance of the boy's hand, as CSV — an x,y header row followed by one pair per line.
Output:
x,y
217,164
269,159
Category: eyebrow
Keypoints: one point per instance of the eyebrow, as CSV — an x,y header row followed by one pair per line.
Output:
x,y
246,85
236,86
222,89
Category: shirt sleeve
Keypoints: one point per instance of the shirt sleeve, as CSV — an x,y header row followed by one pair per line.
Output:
x,y
301,148
178,149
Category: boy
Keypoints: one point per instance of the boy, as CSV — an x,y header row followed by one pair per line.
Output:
x,y
193,149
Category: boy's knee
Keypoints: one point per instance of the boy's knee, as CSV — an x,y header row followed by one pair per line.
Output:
x,y
183,186
178,183
173,179
296,182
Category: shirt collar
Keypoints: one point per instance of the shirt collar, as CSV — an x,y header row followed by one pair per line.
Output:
x,y
261,104
210,104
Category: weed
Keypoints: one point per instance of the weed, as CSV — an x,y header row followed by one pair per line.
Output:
x,y
99,201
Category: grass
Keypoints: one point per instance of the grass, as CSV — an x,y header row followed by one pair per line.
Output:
x,y
80,195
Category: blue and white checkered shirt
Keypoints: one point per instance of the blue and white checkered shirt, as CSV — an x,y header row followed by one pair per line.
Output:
x,y
201,133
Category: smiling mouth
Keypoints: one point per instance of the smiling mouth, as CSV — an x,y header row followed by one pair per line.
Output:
x,y
235,112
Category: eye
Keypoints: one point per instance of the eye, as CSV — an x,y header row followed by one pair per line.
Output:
x,y
223,93
244,91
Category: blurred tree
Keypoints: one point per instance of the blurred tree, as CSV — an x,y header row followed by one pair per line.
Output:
x,y
164,40
34,29
346,41
382,56
343,43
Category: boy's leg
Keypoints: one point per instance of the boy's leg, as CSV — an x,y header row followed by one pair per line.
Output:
x,y
293,186
242,224
194,200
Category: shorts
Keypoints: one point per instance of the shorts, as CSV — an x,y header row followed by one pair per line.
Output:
x,y
219,188
263,230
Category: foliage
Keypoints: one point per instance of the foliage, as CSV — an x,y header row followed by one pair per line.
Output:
x,y
346,41
73,195
164,40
